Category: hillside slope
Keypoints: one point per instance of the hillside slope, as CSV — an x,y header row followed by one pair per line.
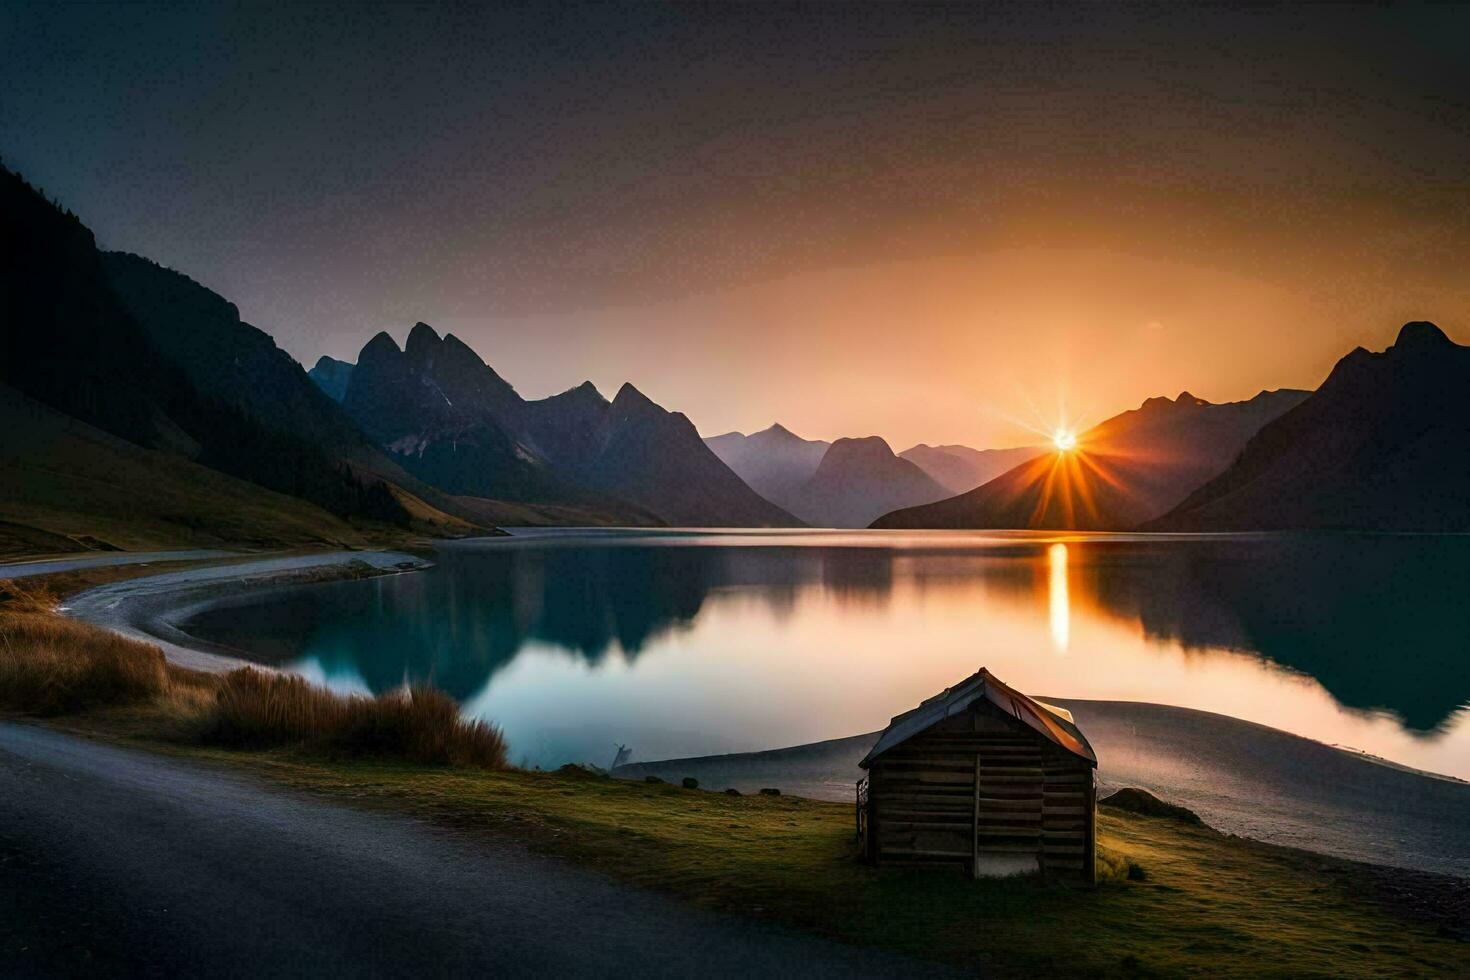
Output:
x,y
73,343
1384,444
66,485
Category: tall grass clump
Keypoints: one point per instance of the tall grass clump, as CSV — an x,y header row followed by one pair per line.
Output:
x,y
255,709
50,665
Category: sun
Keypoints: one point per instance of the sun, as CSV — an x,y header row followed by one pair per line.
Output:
x,y
1064,439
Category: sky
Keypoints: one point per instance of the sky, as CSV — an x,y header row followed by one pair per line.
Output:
x,y
934,223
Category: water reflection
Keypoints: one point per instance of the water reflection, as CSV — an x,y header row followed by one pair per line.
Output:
x,y
1059,606
748,641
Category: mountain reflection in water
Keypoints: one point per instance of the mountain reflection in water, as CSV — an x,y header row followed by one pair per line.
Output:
x,y
1379,622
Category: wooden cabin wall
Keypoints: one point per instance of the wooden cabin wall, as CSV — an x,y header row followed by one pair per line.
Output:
x,y
986,793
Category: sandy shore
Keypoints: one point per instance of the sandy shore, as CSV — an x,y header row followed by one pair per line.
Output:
x,y
1242,778
148,608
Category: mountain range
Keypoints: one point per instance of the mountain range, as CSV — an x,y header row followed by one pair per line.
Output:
x,y
775,461
447,417
846,483
115,367
960,469
1129,469
82,339
144,411
858,481
1383,444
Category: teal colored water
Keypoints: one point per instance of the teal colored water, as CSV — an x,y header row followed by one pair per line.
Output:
x,y
684,643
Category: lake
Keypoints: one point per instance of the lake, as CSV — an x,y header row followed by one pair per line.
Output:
x,y
680,643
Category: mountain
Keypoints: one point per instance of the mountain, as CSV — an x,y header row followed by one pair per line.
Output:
x,y
647,454
448,417
331,376
85,334
858,481
435,407
774,462
1127,470
1384,444
240,369
69,486
960,468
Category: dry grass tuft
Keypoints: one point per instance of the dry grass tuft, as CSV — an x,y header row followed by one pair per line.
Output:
x,y
50,665
255,709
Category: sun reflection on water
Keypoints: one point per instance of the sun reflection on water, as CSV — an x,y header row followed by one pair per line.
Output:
x,y
1059,609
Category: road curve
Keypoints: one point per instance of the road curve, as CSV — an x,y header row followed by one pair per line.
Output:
x,y
115,862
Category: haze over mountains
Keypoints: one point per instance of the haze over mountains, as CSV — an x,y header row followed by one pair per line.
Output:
x,y
847,483
960,469
1127,470
1384,444
775,461
858,481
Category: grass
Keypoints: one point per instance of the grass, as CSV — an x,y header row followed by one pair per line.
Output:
x,y
1178,899
254,709
51,665
1184,900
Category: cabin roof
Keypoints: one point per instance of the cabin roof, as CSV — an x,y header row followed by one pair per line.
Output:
x,y
1054,723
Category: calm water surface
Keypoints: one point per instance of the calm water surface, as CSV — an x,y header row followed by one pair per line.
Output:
x,y
687,643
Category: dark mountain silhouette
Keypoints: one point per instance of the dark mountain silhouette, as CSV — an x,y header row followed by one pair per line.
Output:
x,y
241,367
66,485
453,421
775,461
434,406
960,468
1298,600
1384,444
1127,470
72,342
645,453
859,480
331,376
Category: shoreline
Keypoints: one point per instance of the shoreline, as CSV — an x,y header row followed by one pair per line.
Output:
x,y
1242,778
148,607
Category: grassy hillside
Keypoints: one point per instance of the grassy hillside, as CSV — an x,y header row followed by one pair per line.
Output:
x,y
65,485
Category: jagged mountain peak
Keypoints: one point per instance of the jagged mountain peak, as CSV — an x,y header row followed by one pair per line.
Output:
x,y
381,344
629,398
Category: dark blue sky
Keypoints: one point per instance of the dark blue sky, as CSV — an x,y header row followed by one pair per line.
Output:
x,y
509,172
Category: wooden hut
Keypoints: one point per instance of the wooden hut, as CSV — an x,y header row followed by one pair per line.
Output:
x,y
985,779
